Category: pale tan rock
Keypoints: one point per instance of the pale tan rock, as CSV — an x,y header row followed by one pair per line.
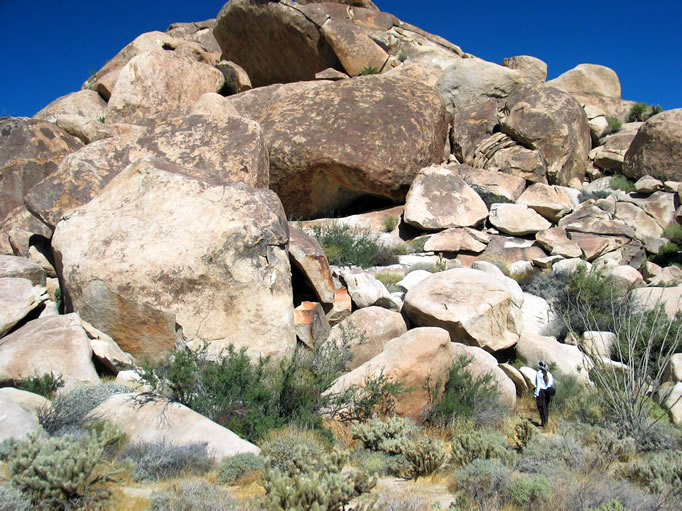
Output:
x,y
598,344
130,263
22,268
130,378
673,371
488,182
517,219
502,154
648,184
536,314
29,401
531,67
307,255
672,186
568,359
650,270
589,79
366,332
455,204
154,82
331,74
214,104
552,202
626,278
173,423
39,258
666,276
483,363
508,250
15,422
643,225
87,130
413,357
18,297
365,290
476,308
659,205
53,344
516,377
85,103
311,324
106,351
556,242
672,394
200,32
342,306
457,239
354,47
590,218
650,297
610,154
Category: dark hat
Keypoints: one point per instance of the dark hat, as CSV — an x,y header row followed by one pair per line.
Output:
x,y
542,364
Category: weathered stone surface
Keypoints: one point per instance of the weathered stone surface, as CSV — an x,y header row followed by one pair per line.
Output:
x,y
173,423
440,199
52,344
673,371
219,149
508,250
516,377
86,103
516,219
611,107
589,79
366,291
590,218
22,231
413,278
311,324
293,51
369,135
15,422
457,240
487,183
552,202
659,205
18,297
629,253
648,184
29,401
472,125
213,104
536,314
354,47
667,276
551,121
342,307
483,363
556,242
200,32
366,332
413,357
673,400
208,255
30,150
236,78
331,74
501,153
367,4
87,130
531,67
22,268
305,252
468,81
598,344
476,308
656,149
650,297
643,225
610,154
568,359
155,82
105,350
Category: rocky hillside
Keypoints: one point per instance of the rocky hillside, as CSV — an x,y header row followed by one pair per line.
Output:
x,y
209,185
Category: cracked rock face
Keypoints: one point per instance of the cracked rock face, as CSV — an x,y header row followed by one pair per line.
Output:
x,y
208,258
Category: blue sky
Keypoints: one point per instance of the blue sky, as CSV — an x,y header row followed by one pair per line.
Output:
x,y
52,47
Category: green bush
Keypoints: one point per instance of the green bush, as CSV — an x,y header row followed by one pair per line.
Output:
x,y
466,395
344,245
486,482
491,198
526,492
659,473
481,444
235,467
193,495
384,435
377,463
153,461
390,281
424,454
619,182
369,70
673,233
614,125
668,255
12,499
282,447
45,385
639,112
63,472
390,223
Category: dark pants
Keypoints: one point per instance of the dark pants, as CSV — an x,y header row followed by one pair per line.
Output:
x,y
543,401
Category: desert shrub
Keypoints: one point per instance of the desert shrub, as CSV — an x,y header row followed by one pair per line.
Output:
x,y
193,495
281,446
235,467
466,395
608,447
481,444
70,412
491,198
416,245
153,461
390,223
345,245
11,499
45,385
390,280
548,454
656,109
522,434
377,463
619,182
313,483
425,455
639,112
391,502
592,489
486,482
660,473
63,472
673,233
611,505
369,70
614,125
668,255
385,435
527,491
402,56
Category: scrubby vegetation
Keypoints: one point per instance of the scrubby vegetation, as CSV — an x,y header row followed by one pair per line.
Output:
x,y
45,385
153,461
344,245
619,182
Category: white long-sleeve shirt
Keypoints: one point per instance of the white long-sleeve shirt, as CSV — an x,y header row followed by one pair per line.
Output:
x,y
541,384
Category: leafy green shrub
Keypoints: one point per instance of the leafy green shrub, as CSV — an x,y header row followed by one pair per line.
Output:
x,y
390,223
485,481
424,454
639,112
45,385
377,463
668,255
153,461
619,182
491,198
369,70
481,444
235,467
402,56
390,280
344,245
193,495
281,447
527,491
69,412
12,499
313,483
62,472
673,233
659,472
656,109
614,125
385,435
466,395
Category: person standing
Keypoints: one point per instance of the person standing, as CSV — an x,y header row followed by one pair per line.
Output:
x,y
544,390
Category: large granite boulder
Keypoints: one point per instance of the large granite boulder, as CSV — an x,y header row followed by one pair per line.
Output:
x,y
589,79
20,267
208,256
15,422
307,255
650,297
172,423
18,297
552,202
418,356
532,67
370,135
477,308
200,32
501,153
610,154
471,125
491,185
551,121
517,219
156,82
30,150
440,199
220,149
257,103
85,103
51,344
568,359
656,149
